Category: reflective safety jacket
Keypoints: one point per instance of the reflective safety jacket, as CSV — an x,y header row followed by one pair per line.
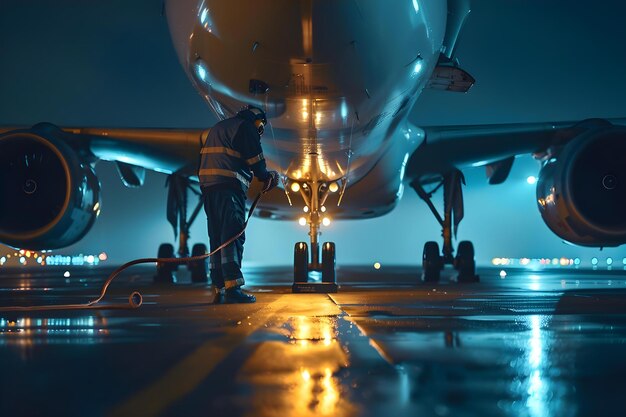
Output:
x,y
231,153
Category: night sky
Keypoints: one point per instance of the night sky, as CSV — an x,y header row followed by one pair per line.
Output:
x,y
111,63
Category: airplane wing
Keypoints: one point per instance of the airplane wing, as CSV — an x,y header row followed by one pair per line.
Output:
x,y
447,147
162,150
580,192
55,193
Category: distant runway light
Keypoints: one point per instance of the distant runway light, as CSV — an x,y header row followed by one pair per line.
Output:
x,y
377,265
624,261
531,180
609,261
503,274
67,274
594,261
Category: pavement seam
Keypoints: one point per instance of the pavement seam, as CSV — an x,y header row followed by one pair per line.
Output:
x,y
346,316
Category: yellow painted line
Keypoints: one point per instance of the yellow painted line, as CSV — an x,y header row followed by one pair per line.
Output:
x,y
185,376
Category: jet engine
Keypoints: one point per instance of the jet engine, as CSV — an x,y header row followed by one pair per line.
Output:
x,y
49,197
581,191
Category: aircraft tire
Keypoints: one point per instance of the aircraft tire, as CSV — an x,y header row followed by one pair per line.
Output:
x,y
301,262
198,269
431,262
328,262
465,263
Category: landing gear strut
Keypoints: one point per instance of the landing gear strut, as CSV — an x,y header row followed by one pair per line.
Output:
x,y
314,195
433,261
177,198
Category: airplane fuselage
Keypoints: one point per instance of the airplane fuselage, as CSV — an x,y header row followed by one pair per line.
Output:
x,y
336,78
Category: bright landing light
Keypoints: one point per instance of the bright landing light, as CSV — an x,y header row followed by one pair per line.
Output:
x,y
531,180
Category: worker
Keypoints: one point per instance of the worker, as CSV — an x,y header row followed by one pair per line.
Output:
x,y
230,155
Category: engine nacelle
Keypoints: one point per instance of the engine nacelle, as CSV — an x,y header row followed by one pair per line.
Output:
x,y
581,192
49,198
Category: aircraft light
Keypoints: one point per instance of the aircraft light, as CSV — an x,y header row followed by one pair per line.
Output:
x,y
326,221
302,221
333,187
377,265
531,180
201,70
295,187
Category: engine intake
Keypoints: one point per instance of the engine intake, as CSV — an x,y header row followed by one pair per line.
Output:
x,y
49,198
582,192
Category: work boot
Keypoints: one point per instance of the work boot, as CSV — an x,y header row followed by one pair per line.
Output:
x,y
218,295
236,295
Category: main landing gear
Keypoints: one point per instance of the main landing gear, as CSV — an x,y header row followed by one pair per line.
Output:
x,y
178,187
434,261
314,195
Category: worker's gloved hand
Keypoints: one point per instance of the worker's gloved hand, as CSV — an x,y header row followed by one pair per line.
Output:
x,y
271,181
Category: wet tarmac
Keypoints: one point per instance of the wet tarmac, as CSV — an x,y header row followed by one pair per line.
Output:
x,y
550,343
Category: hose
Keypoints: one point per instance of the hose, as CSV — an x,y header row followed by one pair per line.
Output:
x,y
135,299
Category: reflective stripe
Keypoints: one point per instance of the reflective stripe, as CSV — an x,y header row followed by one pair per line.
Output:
x,y
255,159
224,173
231,283
221,149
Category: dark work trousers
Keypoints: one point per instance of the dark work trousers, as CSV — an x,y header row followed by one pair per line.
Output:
x,y
225,210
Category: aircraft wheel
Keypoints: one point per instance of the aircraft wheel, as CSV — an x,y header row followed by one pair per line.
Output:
x,y
328,262
164,270
198,269
301,262
431,262
465,263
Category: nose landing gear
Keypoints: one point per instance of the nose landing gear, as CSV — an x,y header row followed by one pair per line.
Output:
x,y
314,195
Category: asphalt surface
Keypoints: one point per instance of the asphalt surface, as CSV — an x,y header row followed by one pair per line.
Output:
x,y
547,343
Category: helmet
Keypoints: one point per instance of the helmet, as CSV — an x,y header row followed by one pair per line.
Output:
x,y
256,115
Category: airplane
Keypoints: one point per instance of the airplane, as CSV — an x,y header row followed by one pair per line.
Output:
x,y
337,81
